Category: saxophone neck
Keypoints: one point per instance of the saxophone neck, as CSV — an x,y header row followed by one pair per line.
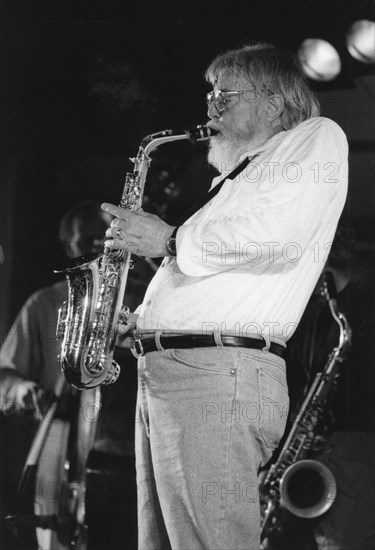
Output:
x,y
330,292
135,181
199,133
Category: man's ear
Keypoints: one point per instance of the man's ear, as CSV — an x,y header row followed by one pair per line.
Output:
x,y
275,107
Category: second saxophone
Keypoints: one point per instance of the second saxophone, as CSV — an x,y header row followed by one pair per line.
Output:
x,y
292,475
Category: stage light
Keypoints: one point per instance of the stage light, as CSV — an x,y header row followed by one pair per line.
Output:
x,y
361,41
319,59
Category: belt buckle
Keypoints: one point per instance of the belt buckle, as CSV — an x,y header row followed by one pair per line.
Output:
x,y
138,346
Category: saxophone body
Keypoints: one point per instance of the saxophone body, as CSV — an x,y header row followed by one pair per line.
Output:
x,y
306,487
87,320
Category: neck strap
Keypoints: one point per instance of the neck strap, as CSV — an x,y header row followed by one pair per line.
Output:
x,y
204,200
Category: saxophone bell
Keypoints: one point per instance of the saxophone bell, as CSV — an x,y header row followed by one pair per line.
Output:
x,y
307,489
86,355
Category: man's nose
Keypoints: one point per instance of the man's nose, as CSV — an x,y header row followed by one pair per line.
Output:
x,y
212,111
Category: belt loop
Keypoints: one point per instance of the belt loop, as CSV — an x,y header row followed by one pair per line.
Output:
x,y
217,338
158,333
135,353
268,342
138,349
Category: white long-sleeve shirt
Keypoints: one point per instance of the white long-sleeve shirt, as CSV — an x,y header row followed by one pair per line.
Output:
x,y
248,261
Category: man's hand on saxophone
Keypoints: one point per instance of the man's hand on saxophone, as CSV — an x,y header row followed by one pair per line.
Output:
x,y
139,232
124,331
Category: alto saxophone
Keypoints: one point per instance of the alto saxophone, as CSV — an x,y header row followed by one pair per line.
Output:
x,y
87,320
306,488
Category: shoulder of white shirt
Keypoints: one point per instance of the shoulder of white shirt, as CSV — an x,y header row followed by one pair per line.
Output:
x,y
313,124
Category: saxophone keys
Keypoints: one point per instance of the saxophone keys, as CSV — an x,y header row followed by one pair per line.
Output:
x,y
62,320
113,373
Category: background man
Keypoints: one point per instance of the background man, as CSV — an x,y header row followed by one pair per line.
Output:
x,y
29,369
28,357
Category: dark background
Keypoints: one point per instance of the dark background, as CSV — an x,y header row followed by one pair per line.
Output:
x,y
82,83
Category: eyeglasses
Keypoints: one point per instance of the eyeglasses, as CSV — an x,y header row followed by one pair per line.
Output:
x,y
219,98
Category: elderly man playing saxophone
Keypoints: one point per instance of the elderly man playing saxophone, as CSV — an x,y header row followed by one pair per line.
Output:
x,y
236,277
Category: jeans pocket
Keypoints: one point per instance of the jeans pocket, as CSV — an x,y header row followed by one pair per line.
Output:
x,y
274,403
213,360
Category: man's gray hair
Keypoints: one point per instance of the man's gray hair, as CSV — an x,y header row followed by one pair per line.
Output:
x,y
270,70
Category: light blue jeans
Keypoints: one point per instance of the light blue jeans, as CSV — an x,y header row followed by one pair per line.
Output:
x,y
207,419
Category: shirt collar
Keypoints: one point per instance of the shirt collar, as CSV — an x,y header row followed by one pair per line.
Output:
x,y
261,148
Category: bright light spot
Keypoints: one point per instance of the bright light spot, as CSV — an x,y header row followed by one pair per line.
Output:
x,y
319,59
361,41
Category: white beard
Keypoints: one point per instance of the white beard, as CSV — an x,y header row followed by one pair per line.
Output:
x,y
223,154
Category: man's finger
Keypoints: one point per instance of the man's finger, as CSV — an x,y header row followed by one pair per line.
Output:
x,y
118,211
125,328
38,412
126,342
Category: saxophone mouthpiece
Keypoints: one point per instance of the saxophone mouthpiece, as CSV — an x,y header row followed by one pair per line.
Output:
x,y
201,133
